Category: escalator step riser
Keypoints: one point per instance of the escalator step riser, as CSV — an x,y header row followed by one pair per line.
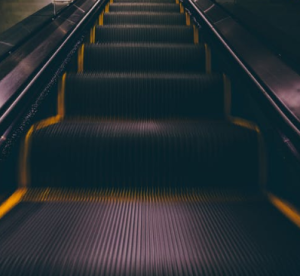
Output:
x,y
143,154
144,19
126,96
144,8
168,34
144,57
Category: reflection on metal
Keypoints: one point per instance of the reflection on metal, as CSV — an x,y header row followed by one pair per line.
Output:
x,y
207,59
58,2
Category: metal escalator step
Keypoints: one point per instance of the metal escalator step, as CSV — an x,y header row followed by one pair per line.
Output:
x,y
144,96
138,7
179,235
144,33
169,153
144,57
143,18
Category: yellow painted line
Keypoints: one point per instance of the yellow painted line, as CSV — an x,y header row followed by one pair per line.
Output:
x,y
24,171
196,34
207,59
47,122
61,96
101,18
177,1
24,160
107,7
93,35
12,201
262,158
227,95
111,1
181,8
289,211
187,19
80,58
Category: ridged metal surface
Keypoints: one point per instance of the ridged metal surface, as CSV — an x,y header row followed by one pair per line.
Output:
x,y
144,96
137,7
144,33
149,237
126,57
144,18
144,154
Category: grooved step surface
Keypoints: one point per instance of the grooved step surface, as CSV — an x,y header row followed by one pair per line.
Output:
x,y
149,237
144,96
144,154
144,33
136,7
144,57
144,18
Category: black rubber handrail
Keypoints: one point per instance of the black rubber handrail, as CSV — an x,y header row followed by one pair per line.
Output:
x,y
279,84
20,71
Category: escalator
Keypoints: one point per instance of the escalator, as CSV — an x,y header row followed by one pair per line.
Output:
x,y
143,170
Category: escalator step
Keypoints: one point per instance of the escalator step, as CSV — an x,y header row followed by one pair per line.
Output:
x,y
143,18
155,237
143,154
144,33
137,7
144,57
140,96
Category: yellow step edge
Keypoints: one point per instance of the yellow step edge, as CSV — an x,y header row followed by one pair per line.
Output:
x,y
262,158
195,34
187,19
80,59
289,211
12,201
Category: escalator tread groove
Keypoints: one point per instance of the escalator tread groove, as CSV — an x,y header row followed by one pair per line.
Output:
x,y
141,172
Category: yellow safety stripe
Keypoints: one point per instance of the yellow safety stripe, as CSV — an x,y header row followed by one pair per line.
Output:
x,y
61,96
286,209
181,8
12,201
187,19
101,18
80,58
196,34
119,194
262,160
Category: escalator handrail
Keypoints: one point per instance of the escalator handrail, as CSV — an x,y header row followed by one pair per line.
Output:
x,y
273,86
19,72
